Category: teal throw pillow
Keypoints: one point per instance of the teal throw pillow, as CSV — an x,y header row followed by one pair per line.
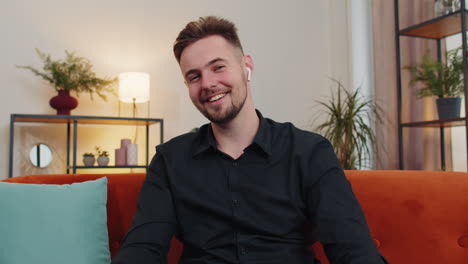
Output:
x,y
54,224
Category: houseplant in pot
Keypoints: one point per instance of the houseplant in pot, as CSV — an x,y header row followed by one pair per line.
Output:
x,y
444,80
347,127
103,157
88,159
72,74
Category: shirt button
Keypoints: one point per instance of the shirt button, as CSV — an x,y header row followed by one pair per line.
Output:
x,y
235,202
234,164
243,251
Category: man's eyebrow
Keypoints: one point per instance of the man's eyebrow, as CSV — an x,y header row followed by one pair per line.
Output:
x,y
190,72
213,61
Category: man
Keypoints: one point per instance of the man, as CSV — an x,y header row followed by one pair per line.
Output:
x,y
243,188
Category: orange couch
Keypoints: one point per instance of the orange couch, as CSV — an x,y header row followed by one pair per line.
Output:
x,y
414,216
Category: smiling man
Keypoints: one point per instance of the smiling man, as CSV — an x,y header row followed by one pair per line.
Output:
x,y
243,188
220,74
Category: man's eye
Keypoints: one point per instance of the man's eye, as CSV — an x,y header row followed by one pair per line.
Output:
x,y
193,78
219,67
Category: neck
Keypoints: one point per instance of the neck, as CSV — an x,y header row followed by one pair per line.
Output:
x,y
233,137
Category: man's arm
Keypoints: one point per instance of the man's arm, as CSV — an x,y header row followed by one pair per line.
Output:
x,y
340,222
154,223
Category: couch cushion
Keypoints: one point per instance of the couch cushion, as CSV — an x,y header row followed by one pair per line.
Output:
x,y
42,223
122,195
416,216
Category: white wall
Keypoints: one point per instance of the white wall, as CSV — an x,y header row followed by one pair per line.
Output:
x,y
296,45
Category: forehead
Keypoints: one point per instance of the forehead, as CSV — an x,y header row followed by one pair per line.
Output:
x,y
199,53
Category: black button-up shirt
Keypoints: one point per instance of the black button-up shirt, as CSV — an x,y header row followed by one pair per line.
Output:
x,y
285,191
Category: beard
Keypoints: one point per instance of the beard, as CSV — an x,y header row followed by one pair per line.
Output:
x,y
221,118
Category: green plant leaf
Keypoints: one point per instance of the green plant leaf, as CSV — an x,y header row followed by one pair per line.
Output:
x,y
346,126
73,74
438,78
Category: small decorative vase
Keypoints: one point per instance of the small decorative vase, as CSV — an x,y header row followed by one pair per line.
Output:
x,y
448,107
103,160
444,7
63,102
456,5
88,161
438,8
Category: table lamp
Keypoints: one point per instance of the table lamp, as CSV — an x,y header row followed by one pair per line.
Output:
x,y
134,87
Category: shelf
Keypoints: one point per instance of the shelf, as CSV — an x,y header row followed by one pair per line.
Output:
x,y
434,31
112,167
436,28
437,123
72,123
100,120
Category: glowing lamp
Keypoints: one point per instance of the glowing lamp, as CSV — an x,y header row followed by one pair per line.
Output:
x,y
134,87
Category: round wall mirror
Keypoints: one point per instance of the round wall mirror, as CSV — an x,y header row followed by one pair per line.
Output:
x,y
40,155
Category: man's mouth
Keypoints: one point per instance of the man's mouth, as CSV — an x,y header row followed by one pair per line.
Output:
x,y
216,97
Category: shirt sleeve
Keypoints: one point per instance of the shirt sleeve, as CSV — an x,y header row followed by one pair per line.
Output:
x,y
340,223
154,222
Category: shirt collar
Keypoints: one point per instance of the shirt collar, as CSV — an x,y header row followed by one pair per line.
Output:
x,y
263,136
206,140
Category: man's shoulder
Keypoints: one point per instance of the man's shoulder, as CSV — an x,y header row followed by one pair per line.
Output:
x,y
182,139
296,135
182,142
305,146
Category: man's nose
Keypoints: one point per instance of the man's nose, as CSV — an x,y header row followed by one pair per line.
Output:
x,y
208,80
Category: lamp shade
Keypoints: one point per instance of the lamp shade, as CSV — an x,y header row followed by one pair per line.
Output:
x,y
134,87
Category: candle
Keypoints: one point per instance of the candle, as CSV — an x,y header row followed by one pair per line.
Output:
x,y
121,157
124,142
132,154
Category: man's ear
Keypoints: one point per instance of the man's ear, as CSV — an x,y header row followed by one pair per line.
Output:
x,y
248,62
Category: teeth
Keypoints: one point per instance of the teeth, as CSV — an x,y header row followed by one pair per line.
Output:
x,y
217,97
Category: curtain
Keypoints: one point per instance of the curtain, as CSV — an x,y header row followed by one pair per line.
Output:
x,y
421,145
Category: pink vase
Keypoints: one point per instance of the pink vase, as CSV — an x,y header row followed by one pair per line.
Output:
x,y
63,102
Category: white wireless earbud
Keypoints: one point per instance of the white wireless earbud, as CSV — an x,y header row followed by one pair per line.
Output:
x,y
249,73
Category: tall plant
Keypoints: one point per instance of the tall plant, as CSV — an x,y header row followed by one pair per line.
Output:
x,y
346,126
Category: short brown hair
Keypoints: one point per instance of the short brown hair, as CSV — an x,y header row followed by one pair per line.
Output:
x,y
204,27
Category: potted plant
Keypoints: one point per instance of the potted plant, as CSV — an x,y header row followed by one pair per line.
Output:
x,y
346,127
103,157
444,80
73,74
88,159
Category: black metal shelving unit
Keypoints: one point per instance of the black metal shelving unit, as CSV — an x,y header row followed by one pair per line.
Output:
x,y
435,29
74,121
